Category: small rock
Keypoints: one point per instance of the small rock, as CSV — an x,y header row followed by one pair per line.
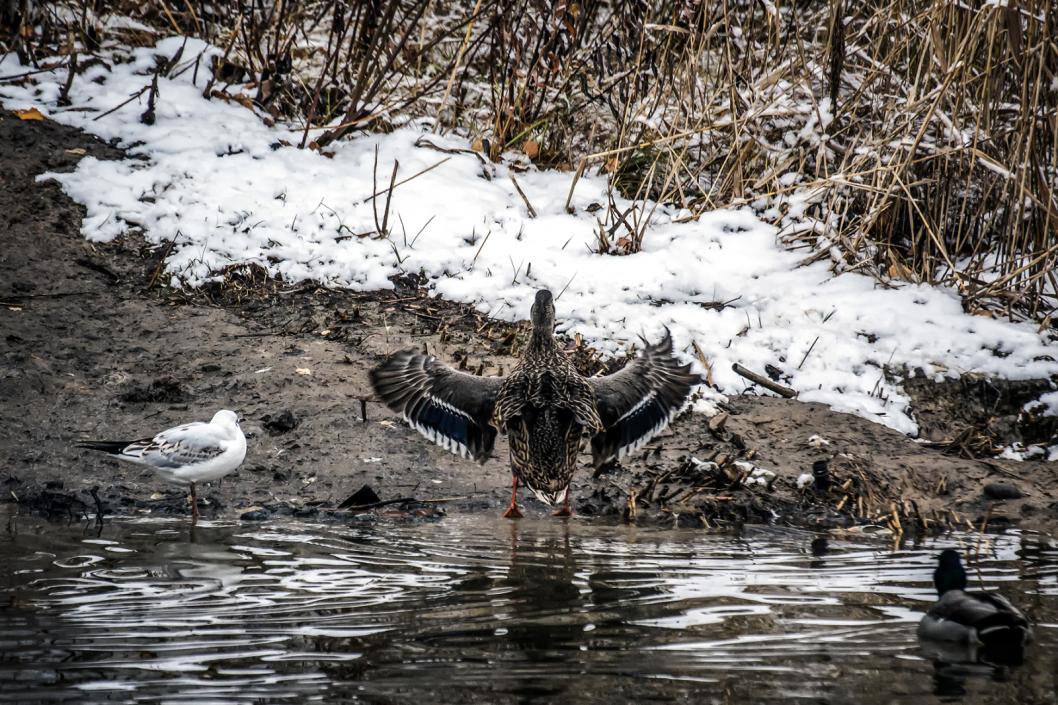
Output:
x,y
717,422
254,514
283,422
1002,490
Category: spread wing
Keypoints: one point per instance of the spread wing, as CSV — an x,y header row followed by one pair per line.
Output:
x,y
453,409
638,401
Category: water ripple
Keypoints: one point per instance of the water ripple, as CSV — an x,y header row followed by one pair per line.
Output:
x,y
481,610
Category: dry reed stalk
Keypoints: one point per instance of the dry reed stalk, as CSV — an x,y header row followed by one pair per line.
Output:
x,y
910,140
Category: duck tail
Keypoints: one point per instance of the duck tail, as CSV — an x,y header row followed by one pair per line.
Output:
x,y
1004,630
550,498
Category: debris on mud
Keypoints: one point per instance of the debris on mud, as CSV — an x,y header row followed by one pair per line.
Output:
x,y
159,391
49,499
976,417
724,490
255,513
281,423
362,497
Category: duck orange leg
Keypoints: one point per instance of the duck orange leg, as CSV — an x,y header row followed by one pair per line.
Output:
x,y
565,510
512,509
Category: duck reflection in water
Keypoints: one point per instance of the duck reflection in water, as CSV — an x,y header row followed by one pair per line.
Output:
x,y
543,576
819,548
954,664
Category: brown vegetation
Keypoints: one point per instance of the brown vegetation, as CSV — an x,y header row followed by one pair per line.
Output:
x,y
912,140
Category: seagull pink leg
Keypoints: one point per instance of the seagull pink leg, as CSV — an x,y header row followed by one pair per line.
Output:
x,y
512,509
194,502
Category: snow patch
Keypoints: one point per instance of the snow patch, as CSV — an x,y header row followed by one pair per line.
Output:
x,y
210,177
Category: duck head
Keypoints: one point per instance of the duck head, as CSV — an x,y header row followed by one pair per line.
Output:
x,y
949,574
543,313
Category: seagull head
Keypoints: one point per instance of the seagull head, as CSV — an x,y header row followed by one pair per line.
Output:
x,y
225,418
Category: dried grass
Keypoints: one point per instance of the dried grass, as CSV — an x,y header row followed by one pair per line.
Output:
x,y
911,140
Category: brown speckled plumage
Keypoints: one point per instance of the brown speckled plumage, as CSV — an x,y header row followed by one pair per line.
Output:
x,y
544,406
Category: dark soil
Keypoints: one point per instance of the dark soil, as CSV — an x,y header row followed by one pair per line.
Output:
x,y
96,347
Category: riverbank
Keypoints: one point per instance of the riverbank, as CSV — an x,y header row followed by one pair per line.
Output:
x,y
97,345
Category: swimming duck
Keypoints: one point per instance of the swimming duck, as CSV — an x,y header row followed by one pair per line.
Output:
x,y
544,406
970,617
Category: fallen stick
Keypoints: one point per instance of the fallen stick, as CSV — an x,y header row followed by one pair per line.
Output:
x,y
404,181
763,381
400,500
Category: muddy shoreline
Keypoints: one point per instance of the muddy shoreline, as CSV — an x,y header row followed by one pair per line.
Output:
x,y
96,345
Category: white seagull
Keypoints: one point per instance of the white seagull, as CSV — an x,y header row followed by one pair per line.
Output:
x,y
194,452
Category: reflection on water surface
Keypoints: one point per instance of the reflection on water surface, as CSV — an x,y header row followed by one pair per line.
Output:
x,y
477,609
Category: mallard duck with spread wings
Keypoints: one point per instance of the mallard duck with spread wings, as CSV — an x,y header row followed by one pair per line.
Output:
x,y
544,406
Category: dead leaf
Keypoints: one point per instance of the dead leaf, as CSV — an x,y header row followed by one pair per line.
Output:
x,y
531,149
898,270
705,363
29,114
303,371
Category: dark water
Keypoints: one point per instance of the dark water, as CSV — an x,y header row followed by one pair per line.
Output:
x,y
483,610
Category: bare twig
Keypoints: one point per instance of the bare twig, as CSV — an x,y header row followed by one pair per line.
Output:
x,y
763,381
528,205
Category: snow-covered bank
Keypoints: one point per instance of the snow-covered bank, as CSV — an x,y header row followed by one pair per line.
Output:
x,y
211,177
